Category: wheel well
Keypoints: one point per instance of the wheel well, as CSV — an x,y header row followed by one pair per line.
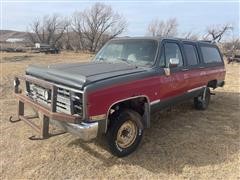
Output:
x,y
139,104
212,84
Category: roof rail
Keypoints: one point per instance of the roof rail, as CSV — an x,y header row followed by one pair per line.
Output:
x,y
207,41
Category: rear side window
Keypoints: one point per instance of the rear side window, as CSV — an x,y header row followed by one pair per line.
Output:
x,y
191,53
210,54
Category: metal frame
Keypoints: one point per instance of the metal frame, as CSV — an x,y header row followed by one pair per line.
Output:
x,y
42,130
48,113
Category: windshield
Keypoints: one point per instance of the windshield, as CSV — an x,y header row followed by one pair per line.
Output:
x,y
136,52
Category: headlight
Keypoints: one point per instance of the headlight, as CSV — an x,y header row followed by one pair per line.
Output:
x,y
77,103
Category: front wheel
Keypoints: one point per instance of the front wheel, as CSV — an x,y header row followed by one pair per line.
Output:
x,y
125,133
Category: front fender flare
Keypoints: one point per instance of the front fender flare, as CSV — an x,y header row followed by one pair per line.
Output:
x,y
145,117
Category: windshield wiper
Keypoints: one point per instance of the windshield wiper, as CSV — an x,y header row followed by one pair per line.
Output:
x,y
100,59
123,60
126,62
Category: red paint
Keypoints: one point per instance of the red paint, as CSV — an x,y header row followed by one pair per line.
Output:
x,y
156,87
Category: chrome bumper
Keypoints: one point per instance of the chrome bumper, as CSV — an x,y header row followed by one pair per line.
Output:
x,y
85,131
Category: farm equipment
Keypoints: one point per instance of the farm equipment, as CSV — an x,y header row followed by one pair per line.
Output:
x,y
234,58
45,48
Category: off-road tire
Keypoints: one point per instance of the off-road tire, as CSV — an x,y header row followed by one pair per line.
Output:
x,y
201,102
115,126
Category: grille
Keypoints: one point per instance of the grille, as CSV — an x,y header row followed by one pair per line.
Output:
x,y
67,101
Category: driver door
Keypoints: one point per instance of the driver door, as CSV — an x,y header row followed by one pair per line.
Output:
x,y
173,85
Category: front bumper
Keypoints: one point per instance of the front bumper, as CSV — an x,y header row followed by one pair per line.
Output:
x,y
69,123
85,131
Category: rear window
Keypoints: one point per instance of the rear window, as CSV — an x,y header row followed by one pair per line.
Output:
x,y
191,53
210,54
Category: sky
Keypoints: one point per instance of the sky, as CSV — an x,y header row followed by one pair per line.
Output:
x,y
193,16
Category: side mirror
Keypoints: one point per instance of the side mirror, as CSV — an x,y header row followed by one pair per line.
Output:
x,y
173,62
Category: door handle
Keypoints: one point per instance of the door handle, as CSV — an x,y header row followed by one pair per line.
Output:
x,y
185,69
201,67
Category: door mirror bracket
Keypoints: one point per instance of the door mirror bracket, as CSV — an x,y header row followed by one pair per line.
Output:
x,y
167,71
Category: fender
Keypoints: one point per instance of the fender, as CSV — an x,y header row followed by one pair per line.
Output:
x,y
146,115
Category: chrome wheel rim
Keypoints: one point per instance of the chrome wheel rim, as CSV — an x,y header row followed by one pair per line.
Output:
x,y
127,134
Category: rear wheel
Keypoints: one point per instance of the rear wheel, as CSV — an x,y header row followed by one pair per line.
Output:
x,y
125,133
201,102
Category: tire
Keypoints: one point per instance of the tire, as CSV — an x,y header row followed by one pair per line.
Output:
x,y
127,121
201,102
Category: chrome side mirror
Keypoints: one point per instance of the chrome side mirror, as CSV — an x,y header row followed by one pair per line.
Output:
x,y
173,62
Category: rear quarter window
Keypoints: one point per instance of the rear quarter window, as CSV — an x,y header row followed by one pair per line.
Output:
x,y
191,54
210,54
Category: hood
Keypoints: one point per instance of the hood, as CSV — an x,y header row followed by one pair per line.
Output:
x,y
80,74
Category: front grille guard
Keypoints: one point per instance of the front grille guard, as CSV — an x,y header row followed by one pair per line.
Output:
x,y
47,113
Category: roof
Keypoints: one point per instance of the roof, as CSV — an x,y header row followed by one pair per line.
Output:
x,y
137,38
162,38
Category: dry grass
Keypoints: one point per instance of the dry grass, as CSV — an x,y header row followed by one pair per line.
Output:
x,y
181,144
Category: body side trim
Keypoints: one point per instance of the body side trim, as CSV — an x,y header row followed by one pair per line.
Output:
x,y
176,99
195,89
155,102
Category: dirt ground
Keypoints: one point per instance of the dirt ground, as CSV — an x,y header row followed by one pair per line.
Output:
x,y
182,143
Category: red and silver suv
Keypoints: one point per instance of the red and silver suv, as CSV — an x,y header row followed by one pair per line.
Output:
x,y
116,92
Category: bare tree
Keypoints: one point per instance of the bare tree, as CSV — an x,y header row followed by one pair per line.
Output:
x,y
94,24
231,47
163,28
78,23
190,36
49,30
216,33
67,40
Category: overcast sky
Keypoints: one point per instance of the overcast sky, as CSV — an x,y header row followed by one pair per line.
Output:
x,y
191,15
